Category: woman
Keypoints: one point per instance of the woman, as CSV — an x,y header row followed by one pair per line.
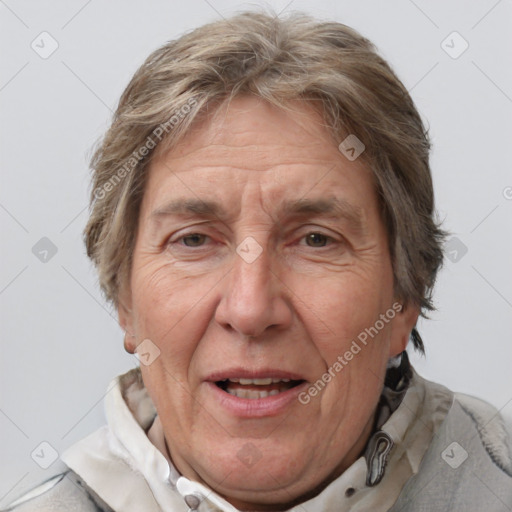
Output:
x,y
262,218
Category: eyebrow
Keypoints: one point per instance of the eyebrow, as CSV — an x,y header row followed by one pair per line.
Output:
x,y
333,207
189,207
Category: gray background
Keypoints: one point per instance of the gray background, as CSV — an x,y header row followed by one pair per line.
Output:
x,y
61,344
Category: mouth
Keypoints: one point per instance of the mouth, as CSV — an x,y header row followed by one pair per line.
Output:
x,y
257,388
255,393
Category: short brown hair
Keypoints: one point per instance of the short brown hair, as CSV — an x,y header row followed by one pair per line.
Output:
x,y
277,59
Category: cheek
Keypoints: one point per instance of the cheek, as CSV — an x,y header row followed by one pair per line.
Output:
x,y
339,319
161,291
337,309
170,310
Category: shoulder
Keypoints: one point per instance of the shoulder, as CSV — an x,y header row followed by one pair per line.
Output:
x,y
468,464
65,492
493,429
473,422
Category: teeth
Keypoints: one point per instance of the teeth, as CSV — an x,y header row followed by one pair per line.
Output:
x,y
251,393
258,382
246,388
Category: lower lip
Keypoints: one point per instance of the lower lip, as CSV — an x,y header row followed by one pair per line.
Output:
x,y
256,407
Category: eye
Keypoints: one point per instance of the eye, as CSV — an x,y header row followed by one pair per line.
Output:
x,y
317,239
193,239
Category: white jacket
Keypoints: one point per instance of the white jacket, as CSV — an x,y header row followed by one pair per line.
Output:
x,y
438,451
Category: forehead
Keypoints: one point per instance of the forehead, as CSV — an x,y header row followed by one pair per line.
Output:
x,y
254,147
251,125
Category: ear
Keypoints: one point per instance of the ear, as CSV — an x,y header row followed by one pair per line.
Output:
x,y
124,313
402,325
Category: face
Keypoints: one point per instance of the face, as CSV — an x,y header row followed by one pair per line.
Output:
x,y
260,258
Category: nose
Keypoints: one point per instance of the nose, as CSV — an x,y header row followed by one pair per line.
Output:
x,y
253,298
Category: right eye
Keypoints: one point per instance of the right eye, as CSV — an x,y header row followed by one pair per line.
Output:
x,y
192,239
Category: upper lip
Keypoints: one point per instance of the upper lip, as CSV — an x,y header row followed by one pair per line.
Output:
x,y
245,373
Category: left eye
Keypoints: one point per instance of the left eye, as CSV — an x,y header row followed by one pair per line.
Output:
x,y
194,239
317,239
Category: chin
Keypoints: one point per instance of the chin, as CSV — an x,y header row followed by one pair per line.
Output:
x,y
255,472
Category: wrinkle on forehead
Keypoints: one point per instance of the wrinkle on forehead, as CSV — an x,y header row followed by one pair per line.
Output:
x,y
253,125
